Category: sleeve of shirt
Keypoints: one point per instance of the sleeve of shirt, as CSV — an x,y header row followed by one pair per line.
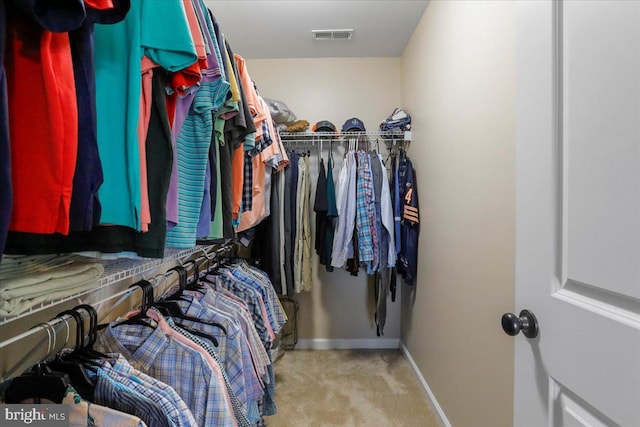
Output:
x,y
173,50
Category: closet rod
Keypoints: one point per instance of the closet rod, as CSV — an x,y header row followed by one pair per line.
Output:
x,y
20,352
310,142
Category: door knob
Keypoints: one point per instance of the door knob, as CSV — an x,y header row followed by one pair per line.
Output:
x,y
526,322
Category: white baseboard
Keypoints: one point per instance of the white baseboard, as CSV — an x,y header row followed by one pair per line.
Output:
x,y
442,418
347,344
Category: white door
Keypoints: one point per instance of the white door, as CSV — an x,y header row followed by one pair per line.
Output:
x,y
578,212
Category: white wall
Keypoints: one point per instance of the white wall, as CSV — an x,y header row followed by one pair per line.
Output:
x,y
458,84
339,306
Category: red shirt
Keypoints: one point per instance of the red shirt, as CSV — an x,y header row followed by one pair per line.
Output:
x,y
43,123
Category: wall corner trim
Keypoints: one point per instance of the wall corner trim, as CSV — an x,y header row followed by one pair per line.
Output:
x,y
435,406
347,344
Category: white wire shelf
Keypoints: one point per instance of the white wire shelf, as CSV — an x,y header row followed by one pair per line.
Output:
x,y
346,136
115,270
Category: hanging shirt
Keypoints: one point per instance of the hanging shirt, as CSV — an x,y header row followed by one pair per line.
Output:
x,y
83,413
320,207
232,350
118,396
245,418
41,90
152,352
410,228
226,301
388,254
85,209
193,146
345,197
168,406
387,247
159,158
332,214
365,214
171,329
123,368
119,49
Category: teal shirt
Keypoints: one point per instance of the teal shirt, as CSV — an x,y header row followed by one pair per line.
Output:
x,y
160,31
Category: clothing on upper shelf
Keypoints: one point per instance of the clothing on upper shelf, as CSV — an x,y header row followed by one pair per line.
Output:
x,y
28,281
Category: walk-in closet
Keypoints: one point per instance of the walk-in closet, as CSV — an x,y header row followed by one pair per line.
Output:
x,y
304,213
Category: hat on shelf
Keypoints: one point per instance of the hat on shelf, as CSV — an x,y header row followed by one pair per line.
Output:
x,y
398,120
324,126
353,125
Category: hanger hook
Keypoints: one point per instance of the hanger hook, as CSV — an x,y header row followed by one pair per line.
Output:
x,y
182,276
79,327
93,322
68,328
51,338
196,273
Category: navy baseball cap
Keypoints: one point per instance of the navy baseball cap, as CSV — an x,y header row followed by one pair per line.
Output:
x,y
353,125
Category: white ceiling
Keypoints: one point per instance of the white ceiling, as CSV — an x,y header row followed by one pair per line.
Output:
x,y
282,29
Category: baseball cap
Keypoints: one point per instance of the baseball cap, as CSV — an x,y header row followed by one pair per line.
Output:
x,y
353,125
324,126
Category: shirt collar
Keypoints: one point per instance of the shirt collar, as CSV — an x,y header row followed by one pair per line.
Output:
x,y
147,345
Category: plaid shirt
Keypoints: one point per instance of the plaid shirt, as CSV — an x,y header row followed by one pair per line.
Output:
x,y
238,408
182,368
220,300
232,351
365,214
264,142
168,406
247,183
249,276
115,395
123,367
254,301
279,314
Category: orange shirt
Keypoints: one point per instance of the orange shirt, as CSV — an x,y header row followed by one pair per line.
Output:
x,y
251,95
237,174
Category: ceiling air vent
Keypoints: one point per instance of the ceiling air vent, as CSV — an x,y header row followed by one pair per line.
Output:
x,y
332,34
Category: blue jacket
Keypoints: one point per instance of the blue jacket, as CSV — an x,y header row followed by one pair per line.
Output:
x,y
407,264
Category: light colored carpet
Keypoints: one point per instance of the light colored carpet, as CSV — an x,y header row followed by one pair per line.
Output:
x,y
377,388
